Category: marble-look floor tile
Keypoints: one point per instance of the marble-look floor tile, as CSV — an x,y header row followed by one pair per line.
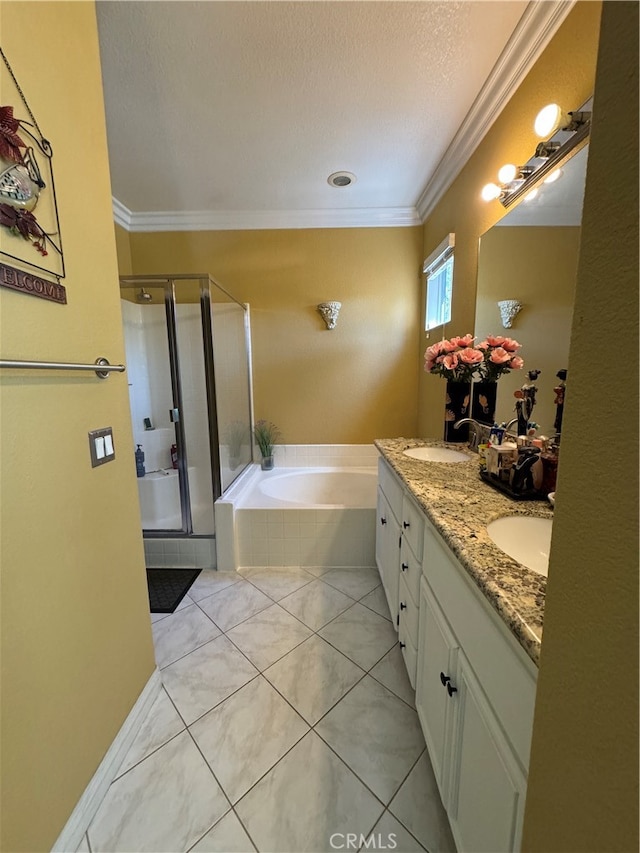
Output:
x,y
392,672
268,635
201,680
227,836
353,582
210,581
316,604
418,806
376,734
377,601
246,735
306,798
181,633
318,571
277,582
235,604
165,803
390,834
162,723
361,635
313,677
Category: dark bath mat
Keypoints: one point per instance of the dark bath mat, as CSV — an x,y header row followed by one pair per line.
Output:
x,y
167,587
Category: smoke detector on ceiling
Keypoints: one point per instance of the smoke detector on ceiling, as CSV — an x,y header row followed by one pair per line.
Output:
x,y
341,179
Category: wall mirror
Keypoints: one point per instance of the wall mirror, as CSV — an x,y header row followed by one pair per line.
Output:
x,y
531,255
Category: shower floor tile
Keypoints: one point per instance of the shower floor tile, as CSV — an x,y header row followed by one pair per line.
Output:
x,y
231,760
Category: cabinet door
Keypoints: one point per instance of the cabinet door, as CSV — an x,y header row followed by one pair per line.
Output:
x,y
437,656
487,787
388,553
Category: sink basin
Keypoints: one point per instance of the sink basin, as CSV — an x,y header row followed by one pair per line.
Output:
x,y
525,539
436,454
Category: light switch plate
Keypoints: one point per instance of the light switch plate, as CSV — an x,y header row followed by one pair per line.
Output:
x,y
101,446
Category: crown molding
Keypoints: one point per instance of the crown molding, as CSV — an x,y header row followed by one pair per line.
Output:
x,y
538,24
121,214
251,220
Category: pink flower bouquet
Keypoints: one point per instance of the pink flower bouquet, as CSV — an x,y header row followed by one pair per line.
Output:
x,y
459,361
499,356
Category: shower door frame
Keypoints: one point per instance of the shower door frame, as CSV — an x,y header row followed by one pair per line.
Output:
x,y
205,281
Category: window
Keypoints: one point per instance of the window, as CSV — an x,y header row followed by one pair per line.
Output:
x,y
438,268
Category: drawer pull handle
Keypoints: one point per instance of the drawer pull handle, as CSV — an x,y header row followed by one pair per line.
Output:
x,y
405,567
383,520
403,645
406,524
451,690
444,679
403,606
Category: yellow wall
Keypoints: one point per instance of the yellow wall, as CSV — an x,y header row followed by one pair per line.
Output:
x,y
583,782
76,639
351,384
564,74
536,265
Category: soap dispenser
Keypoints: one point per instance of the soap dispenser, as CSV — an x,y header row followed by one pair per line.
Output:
x,y
140,471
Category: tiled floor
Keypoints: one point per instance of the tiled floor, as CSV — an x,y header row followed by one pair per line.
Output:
x,y
286,722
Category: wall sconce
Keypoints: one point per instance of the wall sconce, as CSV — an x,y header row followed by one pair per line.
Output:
x,y
330,311
509,310
565,131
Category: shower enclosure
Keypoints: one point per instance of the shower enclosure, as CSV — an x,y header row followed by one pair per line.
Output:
x,y
188,353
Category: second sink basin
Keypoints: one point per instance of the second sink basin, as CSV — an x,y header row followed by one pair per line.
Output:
x,y
436,454
525,539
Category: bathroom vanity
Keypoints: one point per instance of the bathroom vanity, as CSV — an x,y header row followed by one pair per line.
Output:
x,y
469,621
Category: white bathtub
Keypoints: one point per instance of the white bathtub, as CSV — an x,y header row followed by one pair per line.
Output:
x,y
320,488
298,517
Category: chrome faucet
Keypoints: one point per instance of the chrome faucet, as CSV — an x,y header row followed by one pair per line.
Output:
x,y
480,431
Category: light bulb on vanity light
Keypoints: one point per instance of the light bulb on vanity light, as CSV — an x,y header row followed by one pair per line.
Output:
x,y
531,195
507,173
490,192
548,120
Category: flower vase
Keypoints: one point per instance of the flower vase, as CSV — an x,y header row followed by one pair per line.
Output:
x,y
266,463
457,405
483,403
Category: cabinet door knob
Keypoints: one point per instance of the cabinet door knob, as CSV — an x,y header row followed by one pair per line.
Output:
x,y
444,679
451,690
404,567
383,520
403,645
403,606
405,524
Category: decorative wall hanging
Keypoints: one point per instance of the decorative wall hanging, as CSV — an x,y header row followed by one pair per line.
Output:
x,y
30,228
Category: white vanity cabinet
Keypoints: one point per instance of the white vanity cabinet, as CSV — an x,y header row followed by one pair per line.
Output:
x,y
399,535
474,696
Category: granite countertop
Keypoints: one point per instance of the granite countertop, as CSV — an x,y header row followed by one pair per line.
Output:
x,y
460,506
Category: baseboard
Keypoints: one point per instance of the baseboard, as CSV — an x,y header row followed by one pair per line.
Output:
x,y
86,807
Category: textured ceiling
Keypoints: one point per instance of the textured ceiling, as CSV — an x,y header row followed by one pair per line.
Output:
x,y
249,106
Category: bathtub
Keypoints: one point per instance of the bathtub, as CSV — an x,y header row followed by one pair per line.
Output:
x,y
320,517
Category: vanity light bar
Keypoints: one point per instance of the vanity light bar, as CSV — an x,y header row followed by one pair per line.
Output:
x,y
562,154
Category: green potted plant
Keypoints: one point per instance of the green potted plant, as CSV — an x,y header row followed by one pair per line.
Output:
x,y
266,435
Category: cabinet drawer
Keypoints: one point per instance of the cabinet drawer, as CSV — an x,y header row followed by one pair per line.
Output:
x,y
391,487
409,654
412,525
410,570
409,612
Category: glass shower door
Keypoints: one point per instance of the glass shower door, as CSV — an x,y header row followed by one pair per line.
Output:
x,y
155,402
231,359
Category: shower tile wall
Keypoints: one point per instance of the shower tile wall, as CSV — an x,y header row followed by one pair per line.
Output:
x,y
184,553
